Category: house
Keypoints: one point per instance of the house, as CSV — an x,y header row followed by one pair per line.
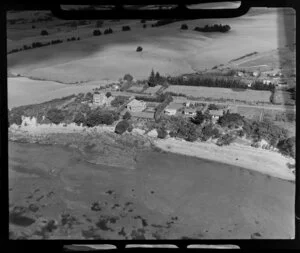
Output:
x,y
190,112
172,108
240,74
255,73
216,114
265,81
115,87
99,99
136,105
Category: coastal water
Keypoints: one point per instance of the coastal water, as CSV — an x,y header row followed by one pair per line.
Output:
x,y
166,196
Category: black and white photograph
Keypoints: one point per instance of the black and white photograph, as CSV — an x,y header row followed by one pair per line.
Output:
x,y
152,129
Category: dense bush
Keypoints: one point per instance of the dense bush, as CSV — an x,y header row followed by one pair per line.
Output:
x,y
164,22
200,118
139,49
209,131
127,116
231,120
162,133
128,78
287,146
160,108
213,107
44,32
108,31
226,139
213,28
55,115
97,33
118,101
15,117
121,127
99,117
144,26
126,28
184,27
108,94
79,119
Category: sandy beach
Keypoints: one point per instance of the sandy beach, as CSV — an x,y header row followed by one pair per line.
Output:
x,y
267,162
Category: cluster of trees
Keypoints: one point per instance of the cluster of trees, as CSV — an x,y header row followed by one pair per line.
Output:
x,y
213,28
108,31
184,129
162,132
209,131
164,22
225,139
287,146
155,79
218,82
139,49
200,118
40,44
160,108
97,32
144,26
126,28
123,126
293,92
55,115
231,120
15,117
184,27
128,77
118,101
44,32
99,117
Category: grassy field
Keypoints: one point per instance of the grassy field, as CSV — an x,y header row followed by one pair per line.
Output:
x,y
219,93
153,90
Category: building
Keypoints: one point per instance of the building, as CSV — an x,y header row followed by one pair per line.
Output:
x,y
216,114
115,87
265,81
172,108
255,73
190,112
100,99
136,105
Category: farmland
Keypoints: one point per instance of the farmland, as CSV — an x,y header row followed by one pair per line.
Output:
x,y
221,93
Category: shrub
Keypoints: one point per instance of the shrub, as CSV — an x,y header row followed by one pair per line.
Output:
x,y
55,115
139,49
144,26
97,33
128,78
15,117
213,107
162,133
108,31
184,27
79,119
209,132
231,120
98,117
44,32
127,116
121,127
108,94
225,140
118,101
126,28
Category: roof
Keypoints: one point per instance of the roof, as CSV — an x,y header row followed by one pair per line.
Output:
x,y
216,112
190,110
135,102
174,106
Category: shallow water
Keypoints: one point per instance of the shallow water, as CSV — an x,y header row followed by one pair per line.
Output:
x,y
167,196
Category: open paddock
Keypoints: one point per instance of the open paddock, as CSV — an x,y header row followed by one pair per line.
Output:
x,y
219,93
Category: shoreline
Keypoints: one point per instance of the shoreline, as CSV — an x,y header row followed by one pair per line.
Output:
x,y
266,162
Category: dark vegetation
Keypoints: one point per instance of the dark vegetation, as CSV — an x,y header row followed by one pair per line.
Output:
x,y
55,115
184,27
118,101
242,57
139,49
162,133
155,79
127,116
160,108
128,78
108,31
164,22
213,28
97,33
41,44
287,146
99,117
126,28
122,126
44,32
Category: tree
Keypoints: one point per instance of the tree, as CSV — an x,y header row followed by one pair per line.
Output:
x,y
139,49
128,78
213,107
79,119
98,117
108,94
287,146
127,116
161,133
184,27
97,33
55,115
121,127
15,117
199,118
44,32
209,131
225,140
151,79
231,120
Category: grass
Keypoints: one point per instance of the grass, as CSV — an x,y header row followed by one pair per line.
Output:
x,y
219,93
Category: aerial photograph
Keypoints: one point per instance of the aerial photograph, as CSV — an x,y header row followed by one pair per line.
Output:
x,y
152,129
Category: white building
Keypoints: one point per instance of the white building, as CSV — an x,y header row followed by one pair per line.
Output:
x,y
136,105
100,99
